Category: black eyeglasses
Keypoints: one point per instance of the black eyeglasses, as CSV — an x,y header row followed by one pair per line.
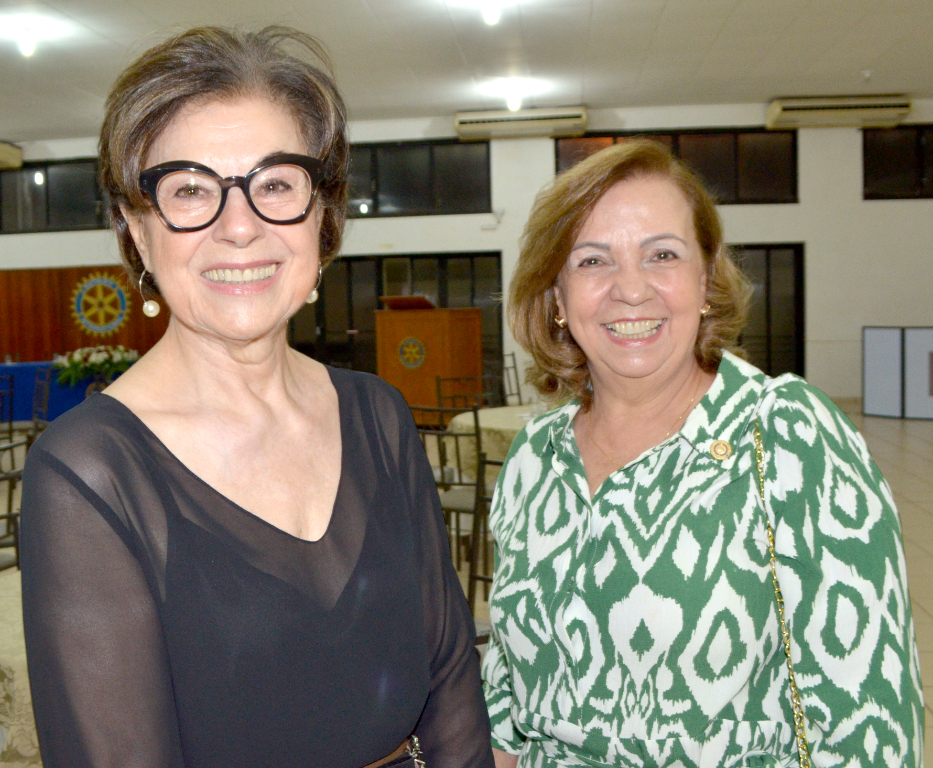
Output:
x,y
189,196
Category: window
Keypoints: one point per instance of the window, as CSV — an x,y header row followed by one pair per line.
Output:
x,y
897,162
419,178
749,166
50,197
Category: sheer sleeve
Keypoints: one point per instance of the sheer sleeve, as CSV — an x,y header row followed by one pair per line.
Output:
x,y
98,667
454,727
842,572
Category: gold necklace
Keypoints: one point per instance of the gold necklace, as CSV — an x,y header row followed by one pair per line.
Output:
x,y
589,429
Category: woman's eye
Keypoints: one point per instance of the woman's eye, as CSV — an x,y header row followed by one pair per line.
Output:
x,y
272,187
189,190
665,256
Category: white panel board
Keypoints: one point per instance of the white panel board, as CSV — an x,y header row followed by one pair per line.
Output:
x,y
882,371
918,373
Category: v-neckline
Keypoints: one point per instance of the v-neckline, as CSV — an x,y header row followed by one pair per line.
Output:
x,y
342,415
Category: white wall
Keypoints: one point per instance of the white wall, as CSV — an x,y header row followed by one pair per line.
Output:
x,y
866,262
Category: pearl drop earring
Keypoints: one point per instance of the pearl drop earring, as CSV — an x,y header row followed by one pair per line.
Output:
x,y
151,307
314,295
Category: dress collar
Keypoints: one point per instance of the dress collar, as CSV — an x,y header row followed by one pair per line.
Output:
x,y
713,428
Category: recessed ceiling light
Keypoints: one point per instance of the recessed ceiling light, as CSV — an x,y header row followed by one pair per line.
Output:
x,y
492,12
514,90
28,29
39,178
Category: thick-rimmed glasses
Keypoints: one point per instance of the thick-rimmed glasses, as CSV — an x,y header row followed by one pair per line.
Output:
x,y
189,196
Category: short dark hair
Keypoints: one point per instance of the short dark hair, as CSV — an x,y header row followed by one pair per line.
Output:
x,y
210,64
559,367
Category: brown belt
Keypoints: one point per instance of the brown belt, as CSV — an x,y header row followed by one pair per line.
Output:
x,y
389,758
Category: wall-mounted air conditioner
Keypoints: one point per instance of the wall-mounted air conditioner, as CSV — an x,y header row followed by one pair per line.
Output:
x,y
837,111
11,156
559,121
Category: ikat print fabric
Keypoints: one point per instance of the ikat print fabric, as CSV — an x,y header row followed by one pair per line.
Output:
x,y
639,627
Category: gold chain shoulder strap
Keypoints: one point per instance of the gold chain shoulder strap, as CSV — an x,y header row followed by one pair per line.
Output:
x,y
803,751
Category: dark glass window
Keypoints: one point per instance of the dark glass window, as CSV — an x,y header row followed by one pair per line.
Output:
x,y
420,178
738,166
763,160
712,156
897,162
404,179
461,178
42,197
73,200
362,182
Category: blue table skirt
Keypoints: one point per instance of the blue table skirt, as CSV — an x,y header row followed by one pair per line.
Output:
x,y
61,398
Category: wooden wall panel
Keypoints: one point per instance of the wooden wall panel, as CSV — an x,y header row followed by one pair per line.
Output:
x,y
36,318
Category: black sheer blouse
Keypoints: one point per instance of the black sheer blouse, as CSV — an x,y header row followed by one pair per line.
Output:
x,y
167,626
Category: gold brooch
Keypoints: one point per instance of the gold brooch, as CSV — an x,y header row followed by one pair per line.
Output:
x,y
720,450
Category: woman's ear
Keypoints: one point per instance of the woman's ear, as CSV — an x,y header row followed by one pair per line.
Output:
x,y
134,223
558,299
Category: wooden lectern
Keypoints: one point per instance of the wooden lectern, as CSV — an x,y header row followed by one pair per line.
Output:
x,y
415,346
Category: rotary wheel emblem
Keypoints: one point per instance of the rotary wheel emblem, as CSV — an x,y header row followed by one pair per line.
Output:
x,y
411,353
99,305
720,450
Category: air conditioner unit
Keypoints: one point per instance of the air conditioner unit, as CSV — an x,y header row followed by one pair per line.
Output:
x,y
559,121
837,111
11,156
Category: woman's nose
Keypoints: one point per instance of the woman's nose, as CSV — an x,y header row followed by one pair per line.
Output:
x,y
630,283
238,222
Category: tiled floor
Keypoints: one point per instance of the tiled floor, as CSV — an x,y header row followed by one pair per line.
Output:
x,y
903,449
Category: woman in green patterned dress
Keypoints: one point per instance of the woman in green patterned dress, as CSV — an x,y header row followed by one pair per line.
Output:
x,y
634,616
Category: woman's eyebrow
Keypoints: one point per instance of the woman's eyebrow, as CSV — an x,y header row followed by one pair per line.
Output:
x,y
590,244
664,236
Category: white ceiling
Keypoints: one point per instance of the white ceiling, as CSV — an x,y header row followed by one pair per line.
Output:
x,y
417,58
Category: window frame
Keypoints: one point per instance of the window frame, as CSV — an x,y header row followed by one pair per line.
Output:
x,y
924,188
432,211
675,135
44,165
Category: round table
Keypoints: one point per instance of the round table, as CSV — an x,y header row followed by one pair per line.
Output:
x,y
498,427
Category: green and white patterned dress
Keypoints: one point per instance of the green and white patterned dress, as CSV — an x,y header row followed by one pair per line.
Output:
x,y
639,627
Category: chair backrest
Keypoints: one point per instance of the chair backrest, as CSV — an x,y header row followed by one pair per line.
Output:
x,y
452,450
6,406
511,381
466,391
487,471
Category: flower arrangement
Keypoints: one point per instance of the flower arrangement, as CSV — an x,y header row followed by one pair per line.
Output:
x,y
102,363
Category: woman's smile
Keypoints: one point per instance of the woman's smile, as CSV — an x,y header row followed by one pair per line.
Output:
x,y
240,276
633,329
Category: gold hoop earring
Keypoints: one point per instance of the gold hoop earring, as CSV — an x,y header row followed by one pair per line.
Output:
x,y
560,322
314,295
151,307
706,308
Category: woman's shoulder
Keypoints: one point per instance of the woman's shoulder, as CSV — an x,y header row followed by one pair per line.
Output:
x,y
535,437
92,424
360,385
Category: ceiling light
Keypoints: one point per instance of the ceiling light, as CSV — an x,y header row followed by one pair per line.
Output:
x,y
39,178
514,90
28,29
364,208
492,12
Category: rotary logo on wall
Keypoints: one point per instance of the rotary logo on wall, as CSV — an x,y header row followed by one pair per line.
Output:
x,y
99,305
411,353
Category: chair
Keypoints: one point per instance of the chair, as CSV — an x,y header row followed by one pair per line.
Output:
x,y
12,476
453,458
6,407
479,537
466,391
511,381
40,405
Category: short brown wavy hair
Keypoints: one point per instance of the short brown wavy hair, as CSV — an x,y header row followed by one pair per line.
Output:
x,y
559,368
214,64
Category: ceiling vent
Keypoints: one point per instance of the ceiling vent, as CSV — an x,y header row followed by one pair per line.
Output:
x,y
559,121
837,111
11,156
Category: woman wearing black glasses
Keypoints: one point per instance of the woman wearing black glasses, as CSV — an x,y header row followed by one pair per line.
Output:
x,y
235,556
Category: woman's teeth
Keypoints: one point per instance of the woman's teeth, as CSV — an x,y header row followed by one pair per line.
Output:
x,y
240,275
638,329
